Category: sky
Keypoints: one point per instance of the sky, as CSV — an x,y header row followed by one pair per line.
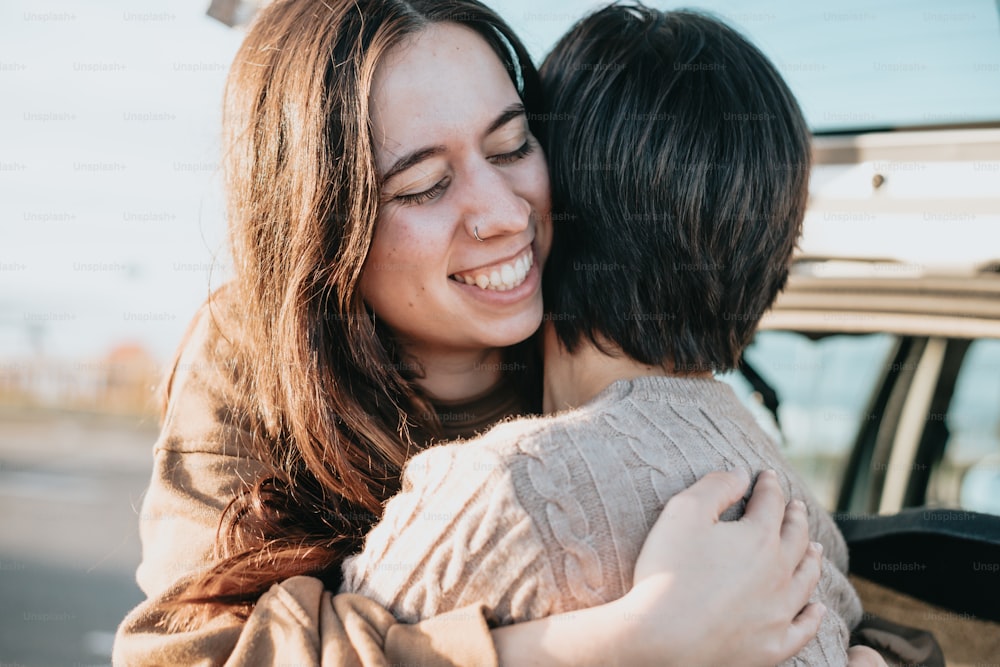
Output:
x,y
111,219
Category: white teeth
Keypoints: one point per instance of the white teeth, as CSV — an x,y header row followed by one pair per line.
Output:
x,y
521,271
506,277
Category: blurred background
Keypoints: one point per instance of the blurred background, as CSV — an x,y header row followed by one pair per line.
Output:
x,y
113,232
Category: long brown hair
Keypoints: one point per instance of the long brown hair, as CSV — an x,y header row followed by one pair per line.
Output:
x,y
333,409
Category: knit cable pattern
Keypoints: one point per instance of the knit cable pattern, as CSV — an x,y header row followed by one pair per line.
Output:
x,y
548,515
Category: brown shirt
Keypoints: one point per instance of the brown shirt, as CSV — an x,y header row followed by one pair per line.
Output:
x,y
463,419
201,459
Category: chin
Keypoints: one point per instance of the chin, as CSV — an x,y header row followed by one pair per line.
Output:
x,y
513,330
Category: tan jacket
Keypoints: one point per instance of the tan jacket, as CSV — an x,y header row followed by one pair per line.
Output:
x,y
200,460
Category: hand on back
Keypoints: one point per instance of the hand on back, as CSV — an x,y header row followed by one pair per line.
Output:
x,y
743,586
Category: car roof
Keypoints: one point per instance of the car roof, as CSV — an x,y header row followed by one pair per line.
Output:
x,y
868,297
901,235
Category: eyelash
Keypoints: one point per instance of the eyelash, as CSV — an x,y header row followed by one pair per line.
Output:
x,y
429,194
522,152
425,196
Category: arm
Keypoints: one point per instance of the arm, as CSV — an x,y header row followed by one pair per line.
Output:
x,y
299,618
298,622
201,458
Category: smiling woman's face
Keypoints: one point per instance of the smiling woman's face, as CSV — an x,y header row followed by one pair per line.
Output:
x,y
455,155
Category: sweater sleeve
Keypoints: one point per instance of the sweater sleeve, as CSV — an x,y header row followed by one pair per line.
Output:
x,y
455,536
201,459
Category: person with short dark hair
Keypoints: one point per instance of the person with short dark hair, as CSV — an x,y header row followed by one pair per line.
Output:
x,y
680,164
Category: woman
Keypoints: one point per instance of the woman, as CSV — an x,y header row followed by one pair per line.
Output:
x,y
387,252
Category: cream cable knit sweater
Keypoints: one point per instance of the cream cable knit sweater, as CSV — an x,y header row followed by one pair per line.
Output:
x,y
546,515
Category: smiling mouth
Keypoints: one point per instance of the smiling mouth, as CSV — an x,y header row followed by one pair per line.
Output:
x,y
499,277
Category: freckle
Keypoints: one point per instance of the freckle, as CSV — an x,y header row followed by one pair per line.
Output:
x,y
410,304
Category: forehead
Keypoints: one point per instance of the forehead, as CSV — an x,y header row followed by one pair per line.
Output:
x,y
443,80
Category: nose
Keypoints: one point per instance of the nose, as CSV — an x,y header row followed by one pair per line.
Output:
x,y
491,205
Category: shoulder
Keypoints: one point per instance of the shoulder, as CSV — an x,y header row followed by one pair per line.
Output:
x,y
207,349
470,482
456,534
501,446
204,405
498,442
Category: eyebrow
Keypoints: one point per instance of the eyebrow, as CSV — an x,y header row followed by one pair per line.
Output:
x,y
418,156
508,114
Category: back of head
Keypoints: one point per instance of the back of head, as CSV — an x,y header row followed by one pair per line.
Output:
x,y
680,164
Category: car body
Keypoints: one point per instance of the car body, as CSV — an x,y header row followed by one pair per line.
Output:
x,y
878,370
897,404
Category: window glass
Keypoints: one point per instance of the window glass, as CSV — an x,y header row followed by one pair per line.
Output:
x,y
824,387
852,64
968,475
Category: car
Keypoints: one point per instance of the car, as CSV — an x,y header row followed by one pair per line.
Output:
x,y
878,371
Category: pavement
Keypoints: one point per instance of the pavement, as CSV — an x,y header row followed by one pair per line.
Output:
x,y
70,490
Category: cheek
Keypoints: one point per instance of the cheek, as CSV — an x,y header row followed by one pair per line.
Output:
x,y
409,250
385,262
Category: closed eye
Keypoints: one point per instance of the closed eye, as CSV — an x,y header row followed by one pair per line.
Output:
x,y
514,156
435,191
425,196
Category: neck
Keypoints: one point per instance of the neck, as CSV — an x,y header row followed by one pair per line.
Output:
x,y
458,375
574,379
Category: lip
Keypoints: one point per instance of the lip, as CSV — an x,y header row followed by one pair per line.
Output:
x,y
532,282
498,262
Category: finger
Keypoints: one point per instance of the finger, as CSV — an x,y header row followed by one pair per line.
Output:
x,y
794,532
767,504
801,631
714,494
805,579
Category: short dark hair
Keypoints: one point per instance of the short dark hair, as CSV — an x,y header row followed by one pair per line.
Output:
x,y
680,167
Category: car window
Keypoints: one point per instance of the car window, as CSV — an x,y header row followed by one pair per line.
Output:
x,y
824,387
968,475
852,64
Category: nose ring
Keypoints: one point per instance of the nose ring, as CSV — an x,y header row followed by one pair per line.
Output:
x,y
475,232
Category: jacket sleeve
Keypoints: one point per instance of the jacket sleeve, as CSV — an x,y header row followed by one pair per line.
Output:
x,y
201,459
297,622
